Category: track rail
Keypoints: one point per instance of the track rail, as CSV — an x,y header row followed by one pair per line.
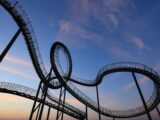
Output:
x,y
106,70
22,20
30,93
66,79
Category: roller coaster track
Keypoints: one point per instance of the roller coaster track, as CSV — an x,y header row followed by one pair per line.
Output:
x,y
112,68
24,24
30,93
66,78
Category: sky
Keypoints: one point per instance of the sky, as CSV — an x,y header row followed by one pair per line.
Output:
x,y
96,33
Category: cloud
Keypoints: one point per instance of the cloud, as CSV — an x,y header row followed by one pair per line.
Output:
x,y
16,72
108,13
109,101
138,42
16,60
73,35
142,81
113,19
157,67
77,35
70,28
91,22
118,51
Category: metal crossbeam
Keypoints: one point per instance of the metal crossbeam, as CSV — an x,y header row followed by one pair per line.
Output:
x,y
5,51
62,96
141,95
39,108
158,111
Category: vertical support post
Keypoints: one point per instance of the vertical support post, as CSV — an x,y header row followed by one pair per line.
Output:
x,y
62,95
63,102
3,54
158,110
59,104
113,118
38,111
34,104
86,113
40,106
43,101
141,95
98,102
48,113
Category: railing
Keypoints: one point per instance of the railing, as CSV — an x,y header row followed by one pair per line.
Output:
x,y
50,100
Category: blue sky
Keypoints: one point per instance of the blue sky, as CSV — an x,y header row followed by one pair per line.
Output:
x,y
97,33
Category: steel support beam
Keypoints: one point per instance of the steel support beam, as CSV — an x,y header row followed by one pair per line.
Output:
x,y
48,114
63,102
62,95
98,102
34,104
158,111
5,51
39,108
141,95
86,113
43,101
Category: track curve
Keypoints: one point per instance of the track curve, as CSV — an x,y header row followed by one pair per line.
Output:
x,y
108,69
30,93
22,20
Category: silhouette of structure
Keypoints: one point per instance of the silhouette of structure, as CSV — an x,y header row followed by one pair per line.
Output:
x,y
43,97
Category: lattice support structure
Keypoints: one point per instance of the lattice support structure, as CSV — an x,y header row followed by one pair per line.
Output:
x,y
62,96
38,107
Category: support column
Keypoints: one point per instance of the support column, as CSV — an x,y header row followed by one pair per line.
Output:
x,y
158,110
62,95
86,113
43,101
63,102
3,54
34,104
48,114
98,102
141,95
38,109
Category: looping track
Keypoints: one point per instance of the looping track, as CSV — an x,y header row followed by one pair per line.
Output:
x,y
108,69
22,20
66,79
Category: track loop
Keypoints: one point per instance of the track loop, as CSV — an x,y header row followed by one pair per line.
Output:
x,y
106,70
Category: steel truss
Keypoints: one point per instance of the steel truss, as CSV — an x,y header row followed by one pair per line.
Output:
x,y
38,108
62,97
